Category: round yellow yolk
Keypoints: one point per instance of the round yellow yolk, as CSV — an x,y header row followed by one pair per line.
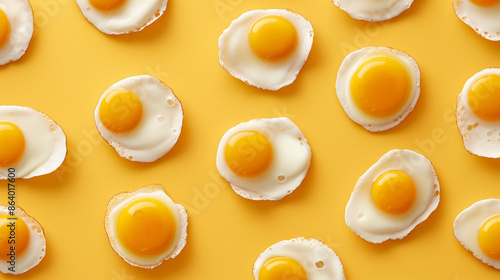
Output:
x,y
106,5
394,192
380,86
489,237
273,38
11,144
4,28
248,153
282,268
484,97
485,3
19,238
120,111
146,227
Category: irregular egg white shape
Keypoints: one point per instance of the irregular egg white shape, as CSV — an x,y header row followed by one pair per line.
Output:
x,y
20,21
484,20
370,10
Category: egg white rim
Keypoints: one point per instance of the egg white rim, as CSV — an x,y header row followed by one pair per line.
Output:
x,y
372,172
348,68
461,6
37,245
289,185
465,118
318,252
118,202
22,35
303,48
482,210
397,8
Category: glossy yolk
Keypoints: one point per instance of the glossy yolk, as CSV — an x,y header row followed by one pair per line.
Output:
x,y
248,153
394,192
4,28
484,97
106,5
11,144
21,236
380,86
282,268
273,38
146,227
120,111
489,237
485,3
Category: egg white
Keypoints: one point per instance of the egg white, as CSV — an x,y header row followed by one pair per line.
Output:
x,y
317,259
467,224
131,16
121,201
343,87
20,18
291,159
159,128
485,21
36,249
45,142
363,216
480,137
370,10
237,57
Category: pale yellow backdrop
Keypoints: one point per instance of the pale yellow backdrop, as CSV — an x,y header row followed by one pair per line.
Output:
x,y
70,63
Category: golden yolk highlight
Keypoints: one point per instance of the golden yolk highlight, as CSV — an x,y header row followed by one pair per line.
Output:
x,y
120,111
106,5
4,28
282,268
146,227
13,228
394,192
484,97
12,144
380,86
248,153
273,38
485,3
489,237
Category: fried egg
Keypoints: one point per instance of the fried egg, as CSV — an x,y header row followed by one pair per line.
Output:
x,y
378,87
478,113
146,227
264,159
140,117
395,195
32,143
122,16
477,228
22,241
480,15
299,259
370,10
266,48
16,29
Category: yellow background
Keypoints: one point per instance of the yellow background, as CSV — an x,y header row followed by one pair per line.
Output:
x,y
70,63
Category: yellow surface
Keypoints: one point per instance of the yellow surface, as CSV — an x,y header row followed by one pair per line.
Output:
x,y
70,63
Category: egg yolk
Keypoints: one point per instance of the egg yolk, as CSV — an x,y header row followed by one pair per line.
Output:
x,y
4,28
146,227
120,111
489,237
106,5
13,228
12,144
282,268
484,97
248,153
485,3
394,192
273,38
380,86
